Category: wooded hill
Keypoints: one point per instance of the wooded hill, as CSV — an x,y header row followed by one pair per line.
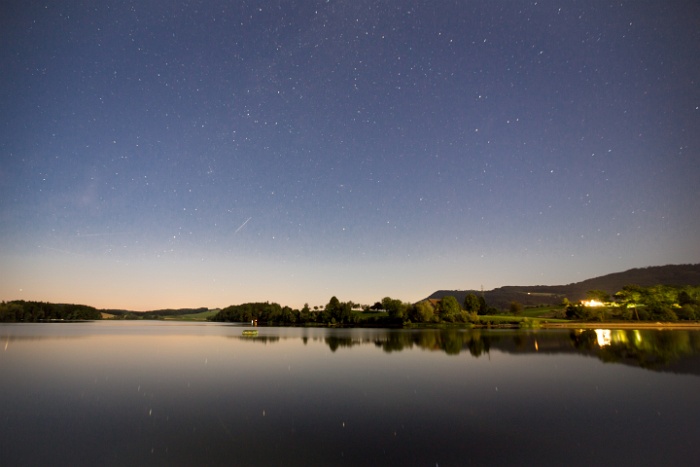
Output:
x,y
548,295
155,314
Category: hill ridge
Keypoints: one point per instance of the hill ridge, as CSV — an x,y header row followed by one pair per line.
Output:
x,y
534,295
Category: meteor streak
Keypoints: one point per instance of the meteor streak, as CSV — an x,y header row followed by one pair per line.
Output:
x,y
242,225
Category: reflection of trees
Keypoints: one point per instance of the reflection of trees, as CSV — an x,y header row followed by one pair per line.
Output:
x,y
335,341
650,349
479,344
260,339
450,341
395,342
585,340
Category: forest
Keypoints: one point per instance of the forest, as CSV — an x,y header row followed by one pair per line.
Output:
x,y
33,312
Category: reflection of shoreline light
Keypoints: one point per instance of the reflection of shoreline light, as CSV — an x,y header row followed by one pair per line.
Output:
x,y
604,337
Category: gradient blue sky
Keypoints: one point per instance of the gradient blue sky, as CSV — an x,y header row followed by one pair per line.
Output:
x,y
208,153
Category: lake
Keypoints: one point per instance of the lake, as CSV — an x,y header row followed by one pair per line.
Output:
x,y
177,393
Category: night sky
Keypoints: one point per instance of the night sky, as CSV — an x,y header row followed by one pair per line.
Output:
x,y
162,154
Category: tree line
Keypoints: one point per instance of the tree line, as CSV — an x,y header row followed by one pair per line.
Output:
x,y
389,311
33,312
335,312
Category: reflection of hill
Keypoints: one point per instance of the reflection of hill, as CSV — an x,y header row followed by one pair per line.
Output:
x,y
683,274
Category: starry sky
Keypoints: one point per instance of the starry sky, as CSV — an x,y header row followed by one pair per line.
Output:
x,y
175,154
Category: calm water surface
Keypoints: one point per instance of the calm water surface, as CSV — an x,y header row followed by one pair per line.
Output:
x,y
167,393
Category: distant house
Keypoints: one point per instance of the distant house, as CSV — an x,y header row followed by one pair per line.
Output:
x,y
592,303
597,303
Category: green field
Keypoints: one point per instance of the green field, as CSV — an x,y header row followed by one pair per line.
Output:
x,y
542,311
363,315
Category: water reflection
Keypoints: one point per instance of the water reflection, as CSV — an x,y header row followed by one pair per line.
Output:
x,y
649,349
202,394
660,350
655,350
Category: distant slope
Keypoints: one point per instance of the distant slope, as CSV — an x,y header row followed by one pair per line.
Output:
x,y
500,299
681,274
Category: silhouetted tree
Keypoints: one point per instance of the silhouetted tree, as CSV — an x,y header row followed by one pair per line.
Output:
x,y
449,309
395,308
472,303
515,308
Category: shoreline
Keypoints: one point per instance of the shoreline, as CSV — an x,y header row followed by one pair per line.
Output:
x,y
612,325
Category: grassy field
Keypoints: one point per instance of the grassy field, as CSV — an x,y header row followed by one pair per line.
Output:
x,y
541,311
371,314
